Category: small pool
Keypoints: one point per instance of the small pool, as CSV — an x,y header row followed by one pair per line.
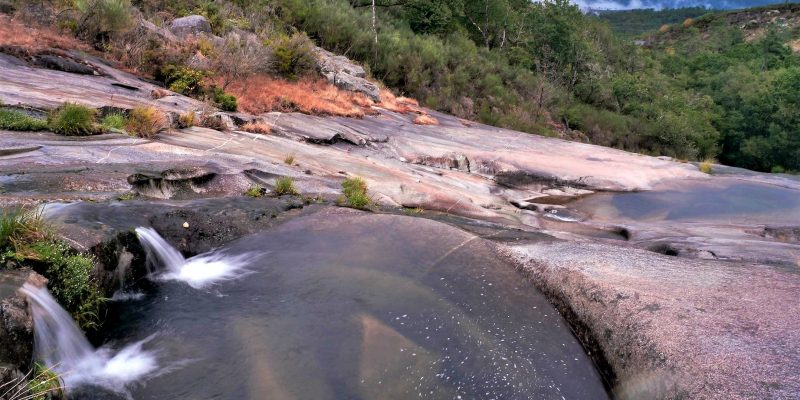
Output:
x,y
340,305
720,199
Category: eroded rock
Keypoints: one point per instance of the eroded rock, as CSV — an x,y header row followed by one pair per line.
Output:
x,y
345,74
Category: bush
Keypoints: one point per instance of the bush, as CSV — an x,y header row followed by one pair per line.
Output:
x,y
285,185
18,121
354,191
183,80
113,121
225,101
73,120
101,19
147,122
25,240
70,280
294,56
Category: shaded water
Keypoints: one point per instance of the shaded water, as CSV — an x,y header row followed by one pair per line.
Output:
x,y
721,199
359,307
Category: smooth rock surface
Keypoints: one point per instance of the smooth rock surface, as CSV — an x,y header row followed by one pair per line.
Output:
x,y
677,328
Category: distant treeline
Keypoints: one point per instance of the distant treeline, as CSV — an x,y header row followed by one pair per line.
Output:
x,y
637,22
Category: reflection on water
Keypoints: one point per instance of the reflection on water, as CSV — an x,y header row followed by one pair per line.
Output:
x,y
360,307
720,199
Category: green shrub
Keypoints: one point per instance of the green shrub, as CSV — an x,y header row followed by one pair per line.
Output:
x,y
294,56
285,185
354,193
18,121
73,120
25,240
225,101
70,280
255,190
146,122
101,19
183,80
113,121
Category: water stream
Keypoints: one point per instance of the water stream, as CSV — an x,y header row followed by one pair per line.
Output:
x,y
61,345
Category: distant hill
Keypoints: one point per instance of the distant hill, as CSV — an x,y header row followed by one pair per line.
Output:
x,y
636,22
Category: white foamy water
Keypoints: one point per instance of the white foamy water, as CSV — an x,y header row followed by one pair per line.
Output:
x,y
60,344
199,271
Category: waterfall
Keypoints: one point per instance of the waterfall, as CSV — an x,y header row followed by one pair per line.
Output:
x,y
198,271
61,345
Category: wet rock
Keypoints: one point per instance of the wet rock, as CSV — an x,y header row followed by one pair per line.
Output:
x,y
16,325
190,25
345,74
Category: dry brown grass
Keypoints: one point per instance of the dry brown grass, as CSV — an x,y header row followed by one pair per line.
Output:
x,y
146,122
158,93
402,105
257,127
33,39
425,119
260,94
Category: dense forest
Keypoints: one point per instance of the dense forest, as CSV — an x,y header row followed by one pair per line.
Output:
x,y
722,86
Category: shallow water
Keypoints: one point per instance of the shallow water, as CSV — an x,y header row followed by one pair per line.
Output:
x,y
721,199
358,307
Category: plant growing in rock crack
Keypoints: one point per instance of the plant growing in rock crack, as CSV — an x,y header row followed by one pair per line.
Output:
x,y
13,120
25,241
113,122
707,166
147,122
44,384
72,120
285,185
354,193
289,159
255,190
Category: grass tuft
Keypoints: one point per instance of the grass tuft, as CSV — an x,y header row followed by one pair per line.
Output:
x,y
285,185
113,122
354,193
73,120
289,159
44,384
255,191
13,120
707,166
146,122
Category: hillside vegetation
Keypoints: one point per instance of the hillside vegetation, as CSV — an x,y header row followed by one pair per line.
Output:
x,y
701,89
633,23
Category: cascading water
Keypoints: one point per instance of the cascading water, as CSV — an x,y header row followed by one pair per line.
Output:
x,y
60,344
199,271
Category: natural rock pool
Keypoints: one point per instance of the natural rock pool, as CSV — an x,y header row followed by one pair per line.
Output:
x,y
723,199
341,304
